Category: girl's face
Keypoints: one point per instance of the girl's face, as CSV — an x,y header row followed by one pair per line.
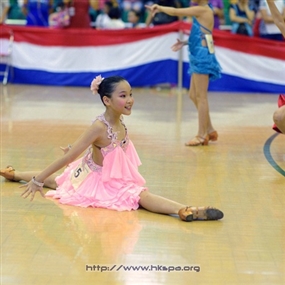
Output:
x,y
122,99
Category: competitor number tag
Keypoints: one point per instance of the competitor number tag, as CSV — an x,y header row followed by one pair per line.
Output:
x,y
79,174
210,43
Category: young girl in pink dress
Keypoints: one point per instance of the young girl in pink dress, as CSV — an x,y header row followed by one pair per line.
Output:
x,y
107,175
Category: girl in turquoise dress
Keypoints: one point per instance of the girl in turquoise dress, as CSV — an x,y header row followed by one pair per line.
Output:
x,y
203,63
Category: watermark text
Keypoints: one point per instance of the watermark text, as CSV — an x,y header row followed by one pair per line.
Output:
x,y
120,267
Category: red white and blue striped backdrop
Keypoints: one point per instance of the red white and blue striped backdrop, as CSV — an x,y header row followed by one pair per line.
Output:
x,y
72,57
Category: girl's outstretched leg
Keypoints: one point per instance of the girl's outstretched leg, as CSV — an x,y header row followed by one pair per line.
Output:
x,y
14,175
158,204
161,205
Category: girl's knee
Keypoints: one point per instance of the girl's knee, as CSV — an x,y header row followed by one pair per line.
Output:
x,y
144,194
279,116
192,96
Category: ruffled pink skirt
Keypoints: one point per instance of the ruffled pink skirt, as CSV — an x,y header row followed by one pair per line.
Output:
x,y
115,186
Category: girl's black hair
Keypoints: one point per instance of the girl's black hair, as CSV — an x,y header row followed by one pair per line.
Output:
x,y
108,85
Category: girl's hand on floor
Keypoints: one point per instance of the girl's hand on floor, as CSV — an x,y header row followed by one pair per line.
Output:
x,y
31,189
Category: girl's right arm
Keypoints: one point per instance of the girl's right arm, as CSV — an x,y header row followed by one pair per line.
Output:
x,y
179,44
277,16
90,136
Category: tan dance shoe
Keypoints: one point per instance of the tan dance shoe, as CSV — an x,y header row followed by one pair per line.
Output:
x,y
8,172
198,141
213,136
189,214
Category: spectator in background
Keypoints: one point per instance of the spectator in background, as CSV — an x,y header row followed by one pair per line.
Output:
x,y
79,14
16,10
127,5
103,19
4,8
11,9
94,11
218,8
115,19
37,12
162,18
254,4
242,17
267,28
61,17
134,20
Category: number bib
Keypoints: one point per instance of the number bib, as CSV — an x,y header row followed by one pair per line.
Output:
x,y
210,43
79,174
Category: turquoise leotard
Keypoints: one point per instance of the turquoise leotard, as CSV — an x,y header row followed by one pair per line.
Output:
x,y
200,59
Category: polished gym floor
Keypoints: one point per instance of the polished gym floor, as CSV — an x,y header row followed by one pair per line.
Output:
x,y
46,243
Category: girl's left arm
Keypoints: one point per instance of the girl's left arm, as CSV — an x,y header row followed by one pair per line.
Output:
x,y
82,143
178,12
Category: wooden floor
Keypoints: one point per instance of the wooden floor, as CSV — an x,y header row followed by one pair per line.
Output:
x,y
44,243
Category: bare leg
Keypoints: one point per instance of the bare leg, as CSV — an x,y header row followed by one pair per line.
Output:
x,y
28,175
158,204
279,118
193,93
161,205
201,83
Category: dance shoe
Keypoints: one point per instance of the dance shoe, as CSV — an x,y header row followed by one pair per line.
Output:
x,y
8,172
189,214
198,141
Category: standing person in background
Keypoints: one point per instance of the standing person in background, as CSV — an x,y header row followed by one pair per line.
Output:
x,y
128,5
4,9
79,14
242,17
11,9
94,11
115,19
134,20
279,114
267,28
60,18
203,63
103,19
37,12
254,4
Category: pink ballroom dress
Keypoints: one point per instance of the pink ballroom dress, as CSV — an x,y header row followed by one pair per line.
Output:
x,y
116,185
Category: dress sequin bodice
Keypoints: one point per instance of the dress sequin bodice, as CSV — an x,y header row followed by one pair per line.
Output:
x,y
113,136
109,148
